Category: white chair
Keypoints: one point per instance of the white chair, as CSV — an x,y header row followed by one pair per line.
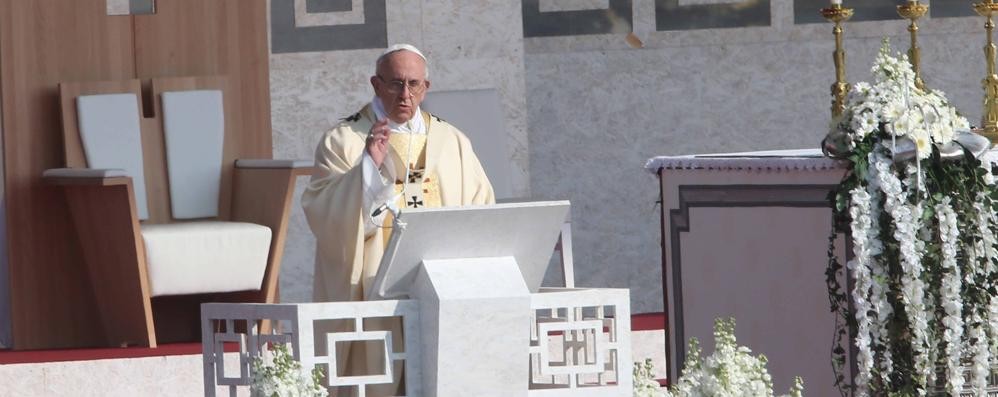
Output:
x,y
167,217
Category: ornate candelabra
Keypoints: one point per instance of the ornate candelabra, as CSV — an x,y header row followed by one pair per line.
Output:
x,y
912,10
838,14
990,112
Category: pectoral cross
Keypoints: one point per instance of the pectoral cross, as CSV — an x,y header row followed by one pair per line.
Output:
x,y
415,176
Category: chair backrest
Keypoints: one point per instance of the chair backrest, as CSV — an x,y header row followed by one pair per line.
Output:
x,y
178,154
112,138
194,126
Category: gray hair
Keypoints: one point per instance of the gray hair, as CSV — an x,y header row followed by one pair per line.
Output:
x,y
402,47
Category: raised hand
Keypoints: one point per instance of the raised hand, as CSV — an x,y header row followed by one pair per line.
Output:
x,y
377,141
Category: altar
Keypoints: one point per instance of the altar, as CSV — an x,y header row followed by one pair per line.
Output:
x,y
745,235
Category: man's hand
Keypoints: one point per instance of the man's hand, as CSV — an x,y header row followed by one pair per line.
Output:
x,y
377,141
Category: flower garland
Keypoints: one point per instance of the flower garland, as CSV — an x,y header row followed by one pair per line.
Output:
x,y
951,299
920,207
863,282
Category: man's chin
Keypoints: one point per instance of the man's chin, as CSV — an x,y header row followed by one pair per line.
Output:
x,y
403,115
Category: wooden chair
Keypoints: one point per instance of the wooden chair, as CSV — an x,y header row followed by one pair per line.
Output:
x,y
167,214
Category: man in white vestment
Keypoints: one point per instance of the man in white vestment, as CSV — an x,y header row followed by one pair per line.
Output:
x,y
361,173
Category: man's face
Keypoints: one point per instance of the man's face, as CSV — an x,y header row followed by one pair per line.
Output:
x,y
401,84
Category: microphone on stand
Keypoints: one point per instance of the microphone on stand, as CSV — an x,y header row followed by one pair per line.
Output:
x,y
388,205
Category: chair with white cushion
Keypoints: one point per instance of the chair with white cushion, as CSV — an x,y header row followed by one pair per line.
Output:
x,y
167,214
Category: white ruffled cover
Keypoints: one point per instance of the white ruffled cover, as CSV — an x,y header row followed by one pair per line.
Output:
x,y
797,159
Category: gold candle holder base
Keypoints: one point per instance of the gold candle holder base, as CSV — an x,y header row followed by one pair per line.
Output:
x,y
837,15
989,117
912,11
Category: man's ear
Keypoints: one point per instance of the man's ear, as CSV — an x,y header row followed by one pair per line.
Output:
x,y
427,85
374,83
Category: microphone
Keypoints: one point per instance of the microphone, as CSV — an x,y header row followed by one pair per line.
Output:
x,y
388,205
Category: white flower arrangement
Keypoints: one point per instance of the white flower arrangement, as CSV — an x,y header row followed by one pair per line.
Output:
x,y
894,105
731,371
919,205
277,374
645,384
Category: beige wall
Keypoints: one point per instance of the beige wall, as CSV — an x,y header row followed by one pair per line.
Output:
x,y
585,111
598,109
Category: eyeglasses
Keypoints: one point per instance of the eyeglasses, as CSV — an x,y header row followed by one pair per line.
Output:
x,y
396,87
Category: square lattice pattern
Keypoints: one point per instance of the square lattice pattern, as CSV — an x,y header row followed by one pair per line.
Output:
x,y
579,340
295,325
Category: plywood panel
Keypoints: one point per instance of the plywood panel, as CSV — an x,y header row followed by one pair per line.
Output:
x,y
220,37
43,43
47,42
105,217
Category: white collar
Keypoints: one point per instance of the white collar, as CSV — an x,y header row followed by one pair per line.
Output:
x,y
416,125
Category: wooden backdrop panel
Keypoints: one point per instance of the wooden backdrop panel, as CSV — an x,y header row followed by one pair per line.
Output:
x,y
219,37
43,43
46,42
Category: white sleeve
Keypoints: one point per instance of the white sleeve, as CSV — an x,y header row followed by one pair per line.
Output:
x,y
377,191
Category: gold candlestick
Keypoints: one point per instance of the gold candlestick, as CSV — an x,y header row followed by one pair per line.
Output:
x,y
838,14
989,118
912,10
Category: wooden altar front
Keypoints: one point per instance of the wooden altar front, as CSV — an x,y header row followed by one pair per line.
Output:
x,y
745,235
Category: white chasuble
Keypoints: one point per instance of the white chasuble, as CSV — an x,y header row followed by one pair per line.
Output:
x,y
346,261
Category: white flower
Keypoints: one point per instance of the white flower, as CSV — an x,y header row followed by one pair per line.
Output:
x,y
902,125
959,122
893,109
864,123
923,143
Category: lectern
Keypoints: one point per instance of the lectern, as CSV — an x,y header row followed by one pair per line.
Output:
x,y
472,270
466,284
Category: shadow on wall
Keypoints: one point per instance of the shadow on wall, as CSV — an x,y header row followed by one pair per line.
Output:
x,y
6,341
479,115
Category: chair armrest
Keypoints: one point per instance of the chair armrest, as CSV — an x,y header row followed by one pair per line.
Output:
x,y
298,167
85,176
273,163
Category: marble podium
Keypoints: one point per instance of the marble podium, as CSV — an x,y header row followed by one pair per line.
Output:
x,y
465,285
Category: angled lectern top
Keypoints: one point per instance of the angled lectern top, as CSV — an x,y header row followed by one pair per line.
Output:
x,y
526,231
